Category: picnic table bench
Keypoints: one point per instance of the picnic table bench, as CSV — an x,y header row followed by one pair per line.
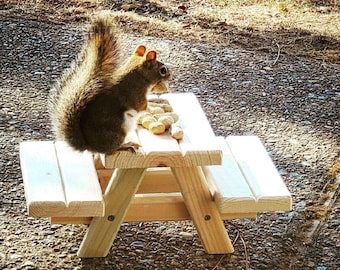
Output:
x,y
204,178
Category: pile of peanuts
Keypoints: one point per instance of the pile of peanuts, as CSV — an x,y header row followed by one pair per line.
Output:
x,y
159,117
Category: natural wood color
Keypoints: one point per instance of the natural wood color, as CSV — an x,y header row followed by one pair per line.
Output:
x,y
140,217
118,195
159,180
259,170
81,188
203,210
161,150
156,180
98,162
59,181
104,176
230,190
156,151
199,146
71,220
157,207
43,185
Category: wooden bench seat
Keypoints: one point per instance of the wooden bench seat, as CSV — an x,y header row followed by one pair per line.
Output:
x,y
248,181
59,181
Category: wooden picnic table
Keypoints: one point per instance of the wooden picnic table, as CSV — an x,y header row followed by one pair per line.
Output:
x,y
202,177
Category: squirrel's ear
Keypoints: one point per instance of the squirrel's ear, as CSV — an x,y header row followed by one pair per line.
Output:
x,y
151,55
140,50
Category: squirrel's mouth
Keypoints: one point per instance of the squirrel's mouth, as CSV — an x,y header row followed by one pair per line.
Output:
x,y
160,87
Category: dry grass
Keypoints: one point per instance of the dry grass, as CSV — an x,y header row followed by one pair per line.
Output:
x,y
262,25
309,28
274,16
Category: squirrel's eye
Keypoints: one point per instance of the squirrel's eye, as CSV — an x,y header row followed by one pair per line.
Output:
x,y
163,70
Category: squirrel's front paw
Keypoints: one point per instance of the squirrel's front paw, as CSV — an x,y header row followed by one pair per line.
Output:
x,y
129,146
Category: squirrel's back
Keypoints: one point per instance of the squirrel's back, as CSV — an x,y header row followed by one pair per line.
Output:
x,y
88,76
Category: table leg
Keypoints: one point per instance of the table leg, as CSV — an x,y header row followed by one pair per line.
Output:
x,y
118,195
203,210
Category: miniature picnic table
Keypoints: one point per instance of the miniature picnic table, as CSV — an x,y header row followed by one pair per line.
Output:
x,y
201,177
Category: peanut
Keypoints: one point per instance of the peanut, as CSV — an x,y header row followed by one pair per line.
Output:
x,y
147,121
157,128
166,120
159,117
176,131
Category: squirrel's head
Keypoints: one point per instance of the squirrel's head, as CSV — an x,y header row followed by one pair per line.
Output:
x,y
156,72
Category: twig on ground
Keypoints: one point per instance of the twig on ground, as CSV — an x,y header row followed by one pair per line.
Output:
x,y
246,257
224,255
237,236
219,262
278,54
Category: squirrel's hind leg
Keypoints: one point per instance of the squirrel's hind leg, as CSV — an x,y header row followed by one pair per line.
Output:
x,y
131,141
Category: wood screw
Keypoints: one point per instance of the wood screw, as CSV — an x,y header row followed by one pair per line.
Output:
x,y
111,218
207,217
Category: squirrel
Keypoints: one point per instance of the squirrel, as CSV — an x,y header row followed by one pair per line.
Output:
x,y
94,104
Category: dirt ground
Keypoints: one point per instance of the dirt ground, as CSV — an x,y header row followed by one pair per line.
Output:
x,y
268,75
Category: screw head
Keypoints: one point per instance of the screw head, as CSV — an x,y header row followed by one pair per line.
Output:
x,y
207,217
111,218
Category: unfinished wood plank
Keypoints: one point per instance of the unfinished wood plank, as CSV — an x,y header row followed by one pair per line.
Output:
x,y
70,220
81,187
259,170
156,180
134,215
199,145
174,210
157,207
160,150
43,185
231,191
124,159
156,151
104,176
145,207
203,210
118,195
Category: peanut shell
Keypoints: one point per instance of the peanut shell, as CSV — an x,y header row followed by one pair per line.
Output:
x,y
167,120
147,121
176,131
157,128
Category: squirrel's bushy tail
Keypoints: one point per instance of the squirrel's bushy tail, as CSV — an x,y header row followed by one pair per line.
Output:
x,y
88,75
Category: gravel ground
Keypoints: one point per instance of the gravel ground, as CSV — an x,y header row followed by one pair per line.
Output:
x,y
291,103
